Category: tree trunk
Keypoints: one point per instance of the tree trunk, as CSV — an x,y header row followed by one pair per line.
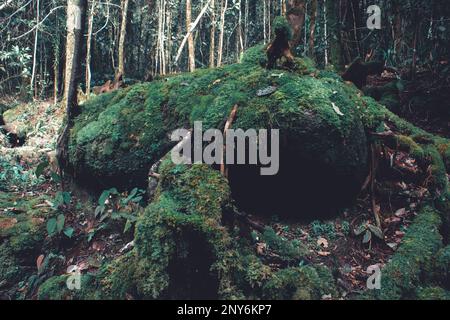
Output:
x,y
88,49
224,8
76,17
334,34
123,31
296,18
212,49
312,27
191,47
239,39
33,73
283,7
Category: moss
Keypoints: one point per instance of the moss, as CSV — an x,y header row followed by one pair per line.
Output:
x,y
55,288
281,28
432,293
180,240
442,267
412,263
407,144
303,283
117,138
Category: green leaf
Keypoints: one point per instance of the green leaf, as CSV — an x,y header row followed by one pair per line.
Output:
x,y
51,226
104,196
377,232
360,230
367,237
55,177
99,210
128,225
40,168
60,220
69,232
66,197
137,199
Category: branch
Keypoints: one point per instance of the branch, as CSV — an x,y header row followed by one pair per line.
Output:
x,y
38,24
7,3
192,28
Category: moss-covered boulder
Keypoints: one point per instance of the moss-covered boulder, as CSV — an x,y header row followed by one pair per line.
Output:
x,y
442,267
22,234
323,151
412,264
303,283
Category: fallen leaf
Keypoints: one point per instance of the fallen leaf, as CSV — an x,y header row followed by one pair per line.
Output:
x,y
322,242
324,253
39,261
400,212
336,109
261,248
7,223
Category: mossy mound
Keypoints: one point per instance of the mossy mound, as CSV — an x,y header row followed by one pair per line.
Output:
x,y
22,234
183,250
412,264
304,283
323,151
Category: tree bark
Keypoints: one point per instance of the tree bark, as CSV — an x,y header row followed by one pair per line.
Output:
x,y
296,18
33,73
191,47
88,48
123,32
224,8
192,28
312,28
212,44
76,17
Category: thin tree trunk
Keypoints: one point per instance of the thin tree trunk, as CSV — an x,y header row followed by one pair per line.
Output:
x,y
312,27
325,31
191,47
212,44
123,31
283,7
56,73
88,48
33,73
224,8
239,40
192,28
76,16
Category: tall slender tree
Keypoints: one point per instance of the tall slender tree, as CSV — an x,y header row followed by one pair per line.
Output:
x,y
224,8
212,44
123,31
88,47
76,16
191,47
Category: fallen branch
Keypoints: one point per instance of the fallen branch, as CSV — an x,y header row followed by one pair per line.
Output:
x,y
191,29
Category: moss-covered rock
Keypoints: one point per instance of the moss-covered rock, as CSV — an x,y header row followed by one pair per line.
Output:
x,y
442,267
118,136
432,293
413,262
304,283
22,233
